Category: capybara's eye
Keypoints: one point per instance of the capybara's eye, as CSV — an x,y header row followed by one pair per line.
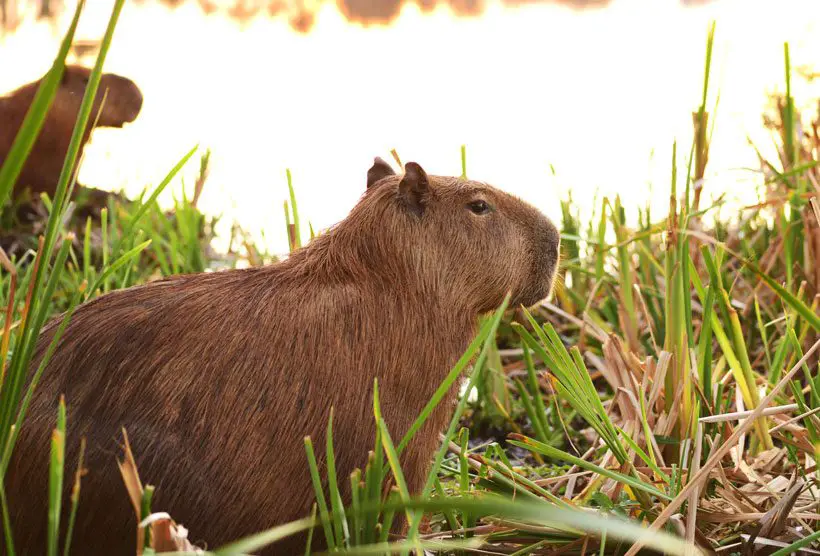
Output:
x,y
479,207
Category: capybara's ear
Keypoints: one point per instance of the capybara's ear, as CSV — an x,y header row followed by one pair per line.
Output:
x,y
378,171
414,188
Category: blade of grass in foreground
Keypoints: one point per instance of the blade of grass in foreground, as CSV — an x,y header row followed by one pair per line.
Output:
x,y
729,345
145,511
464,477
373,480
55,480
789,298
12,390
7,533
433,545
119,263
356,487
339,522
533,512
35,116
630,315
552,517
309,542
462,403
261,540
444,387
75,499
249,544
796,546
392,455
13,164
55,220
320,496
545,449
15,428
744,375
159,189
65,181
297,234
41,297
574,383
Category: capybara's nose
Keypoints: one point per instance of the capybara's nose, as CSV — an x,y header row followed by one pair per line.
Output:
x,y
551,239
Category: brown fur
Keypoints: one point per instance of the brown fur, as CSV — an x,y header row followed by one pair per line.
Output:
x,y
218,376
42,168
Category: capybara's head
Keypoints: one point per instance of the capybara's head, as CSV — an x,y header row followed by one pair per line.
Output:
x,y
123,99
461,240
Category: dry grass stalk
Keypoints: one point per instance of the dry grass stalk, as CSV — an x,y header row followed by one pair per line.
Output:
x,y
166,535
739,415
701,476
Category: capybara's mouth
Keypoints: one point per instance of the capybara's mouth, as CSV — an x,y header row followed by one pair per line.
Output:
x,y
129,107
124,119
545,271
539,294
132,116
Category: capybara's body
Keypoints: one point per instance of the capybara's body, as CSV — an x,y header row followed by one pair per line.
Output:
x,y
42,168
218,377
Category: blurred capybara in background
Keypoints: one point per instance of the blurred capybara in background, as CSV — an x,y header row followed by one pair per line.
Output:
x,y
123,102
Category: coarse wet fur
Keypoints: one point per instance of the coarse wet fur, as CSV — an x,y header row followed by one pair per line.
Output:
x,y
41,170
217,377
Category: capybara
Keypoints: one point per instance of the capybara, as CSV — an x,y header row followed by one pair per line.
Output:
x,y
217,377
45,161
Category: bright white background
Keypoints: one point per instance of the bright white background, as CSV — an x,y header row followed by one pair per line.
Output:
x,y
600,95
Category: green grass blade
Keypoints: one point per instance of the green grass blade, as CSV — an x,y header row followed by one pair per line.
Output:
x,y
15,429
439,457
159,189
554,517
35,116
797,545
296,226
320,496
339,522
7,533
547,450
790,299
446,384
75,499
55,480
392,454
125,259
253,543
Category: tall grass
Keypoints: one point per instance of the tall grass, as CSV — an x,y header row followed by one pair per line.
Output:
x,y
666,398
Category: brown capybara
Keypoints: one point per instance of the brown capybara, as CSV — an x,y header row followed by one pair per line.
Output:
x,y
41,171
217,377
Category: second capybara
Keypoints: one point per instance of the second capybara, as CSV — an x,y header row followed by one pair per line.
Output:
x,y
217,377
123,102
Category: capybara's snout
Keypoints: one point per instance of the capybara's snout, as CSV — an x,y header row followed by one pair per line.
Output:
x,y
123,100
